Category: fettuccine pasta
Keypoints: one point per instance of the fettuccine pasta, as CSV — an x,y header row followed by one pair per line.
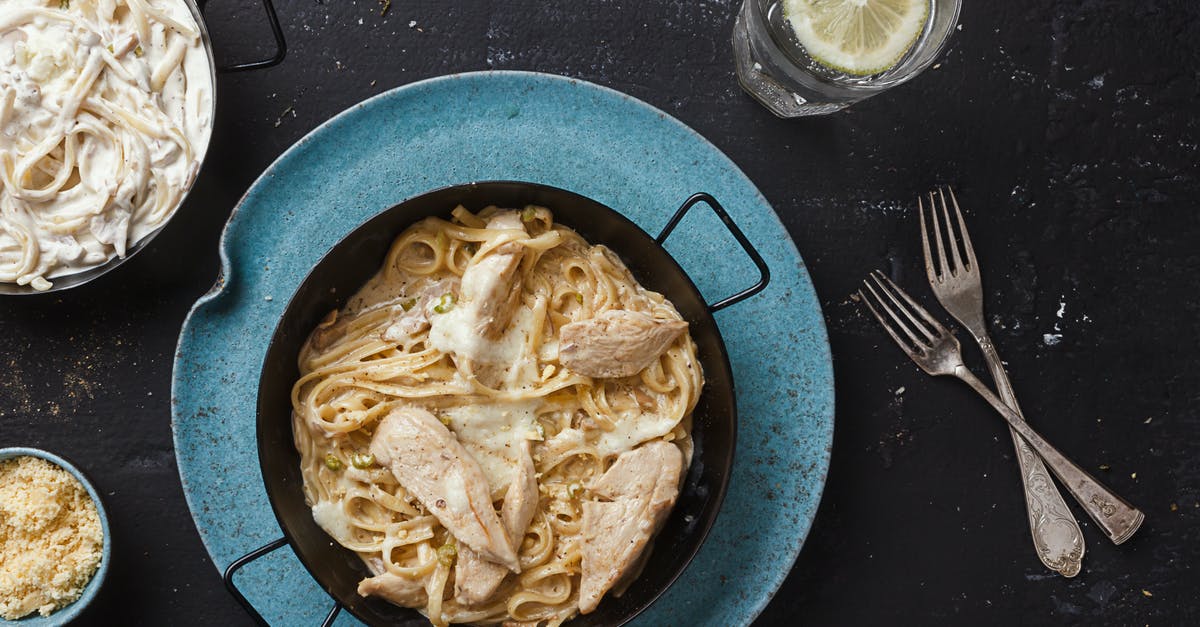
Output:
x,y
398,344
105,112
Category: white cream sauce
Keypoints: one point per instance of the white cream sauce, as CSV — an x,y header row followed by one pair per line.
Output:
x,y
627,433
330,517
452,332
106,111
492,433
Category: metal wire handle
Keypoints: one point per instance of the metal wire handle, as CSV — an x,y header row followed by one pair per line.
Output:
x,y
241,598
276,31
764,278
763,270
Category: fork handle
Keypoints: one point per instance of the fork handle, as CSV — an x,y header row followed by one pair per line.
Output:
x,y
1056,534
1114,515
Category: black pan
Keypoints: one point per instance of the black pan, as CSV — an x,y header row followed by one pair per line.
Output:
x,y
360,254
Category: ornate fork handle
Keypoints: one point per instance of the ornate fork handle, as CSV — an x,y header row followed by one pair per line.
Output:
x,y
1056,534
1117,518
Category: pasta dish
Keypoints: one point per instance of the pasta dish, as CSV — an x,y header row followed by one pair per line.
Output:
x,y
498,421
105,113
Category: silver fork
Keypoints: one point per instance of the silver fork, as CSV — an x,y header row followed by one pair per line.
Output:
x,y
957,285
937,352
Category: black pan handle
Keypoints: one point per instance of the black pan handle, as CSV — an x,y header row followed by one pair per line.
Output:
x,y
241,598
763,271
276,31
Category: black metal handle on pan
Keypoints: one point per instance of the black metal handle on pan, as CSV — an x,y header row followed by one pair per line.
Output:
x,y
763,270
241,598
276,31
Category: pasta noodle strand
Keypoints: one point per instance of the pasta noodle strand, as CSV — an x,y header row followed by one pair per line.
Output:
x,y
363,361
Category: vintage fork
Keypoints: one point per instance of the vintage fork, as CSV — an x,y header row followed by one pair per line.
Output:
x,y
956,283
937,352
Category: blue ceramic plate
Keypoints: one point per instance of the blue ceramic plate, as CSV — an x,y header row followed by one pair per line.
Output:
x,y
513,126
72,611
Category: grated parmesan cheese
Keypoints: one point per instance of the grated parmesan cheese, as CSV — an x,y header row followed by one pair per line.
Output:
x,y
50,537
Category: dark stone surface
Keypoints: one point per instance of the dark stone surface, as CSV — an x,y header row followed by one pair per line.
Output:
x,y
1069,130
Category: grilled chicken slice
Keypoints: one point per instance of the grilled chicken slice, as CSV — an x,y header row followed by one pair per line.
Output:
x,y
521,499
491,287
476,579
399,590
434,467
641,487
616,343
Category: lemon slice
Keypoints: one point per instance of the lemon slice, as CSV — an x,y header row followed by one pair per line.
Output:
x,y
858,37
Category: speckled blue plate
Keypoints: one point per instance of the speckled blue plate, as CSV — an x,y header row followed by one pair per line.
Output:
x,y
517,126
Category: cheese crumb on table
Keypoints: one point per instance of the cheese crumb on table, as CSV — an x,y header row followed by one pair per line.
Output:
x,y
50,537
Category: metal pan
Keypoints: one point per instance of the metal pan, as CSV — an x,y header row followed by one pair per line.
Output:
x,y
197,9
359,255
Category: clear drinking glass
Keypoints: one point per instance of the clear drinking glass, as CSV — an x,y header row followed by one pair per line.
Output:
x,y
773,66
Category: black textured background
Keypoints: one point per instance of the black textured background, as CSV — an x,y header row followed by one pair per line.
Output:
x,y
1070,131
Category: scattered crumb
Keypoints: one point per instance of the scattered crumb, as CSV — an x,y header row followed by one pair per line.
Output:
x,y
372,83
1105,467
1174,507
386,5
900,390
1146,593
268,298
1133,475
1051,339
412,24
1147,421
279,120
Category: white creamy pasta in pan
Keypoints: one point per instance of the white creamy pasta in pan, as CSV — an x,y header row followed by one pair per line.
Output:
x,y
498,422
105,113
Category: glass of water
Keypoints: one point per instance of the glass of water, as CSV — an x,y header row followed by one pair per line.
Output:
x,y
775,68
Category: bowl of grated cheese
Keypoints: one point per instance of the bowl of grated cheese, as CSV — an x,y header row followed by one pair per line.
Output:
x,y
54,539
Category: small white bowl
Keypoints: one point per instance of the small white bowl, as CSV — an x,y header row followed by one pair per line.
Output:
x,y
72,611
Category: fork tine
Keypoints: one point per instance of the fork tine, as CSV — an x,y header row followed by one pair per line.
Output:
x,y
962,229
958,264
907,313
929,269
912,304
884,323
937,235
891,311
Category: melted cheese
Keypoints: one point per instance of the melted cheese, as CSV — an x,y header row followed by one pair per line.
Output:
x,y
627,433
493,433
452,332
630,431
330,517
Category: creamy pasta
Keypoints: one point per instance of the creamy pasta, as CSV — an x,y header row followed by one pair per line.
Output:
x,y
406,343
105,113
